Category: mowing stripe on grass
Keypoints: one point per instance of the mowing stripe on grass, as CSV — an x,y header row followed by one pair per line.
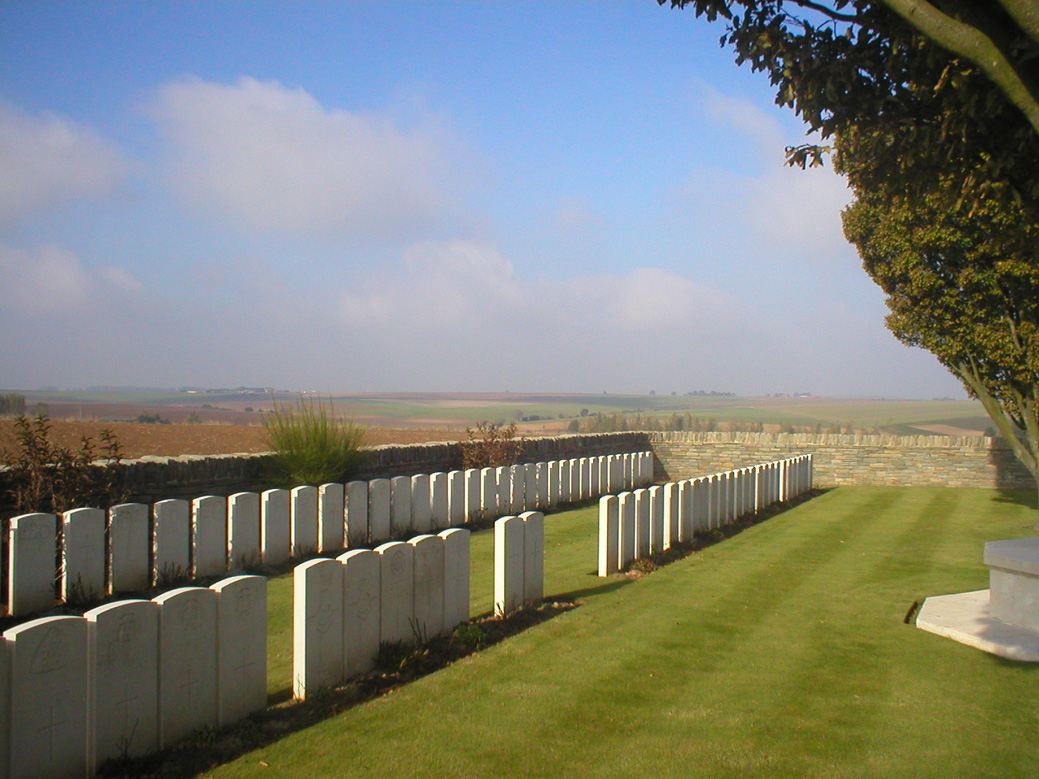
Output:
x,y
778,653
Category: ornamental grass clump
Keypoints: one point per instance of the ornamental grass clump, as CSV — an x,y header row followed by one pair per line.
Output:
x,y
311,445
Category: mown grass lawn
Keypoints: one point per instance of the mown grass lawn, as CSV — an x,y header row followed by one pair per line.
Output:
x,y
779,653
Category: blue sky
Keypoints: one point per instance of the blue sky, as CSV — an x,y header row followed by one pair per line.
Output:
x,y
397,196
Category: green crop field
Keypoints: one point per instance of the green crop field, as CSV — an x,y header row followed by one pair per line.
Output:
x,y
780,652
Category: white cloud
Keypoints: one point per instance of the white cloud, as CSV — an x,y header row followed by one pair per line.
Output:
x,y
50,278
796,209
46,159
273,157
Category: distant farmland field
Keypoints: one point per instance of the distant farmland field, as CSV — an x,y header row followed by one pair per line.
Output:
x,y
229,421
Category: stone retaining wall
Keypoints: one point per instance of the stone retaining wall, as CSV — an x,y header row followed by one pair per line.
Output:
x,y
900,461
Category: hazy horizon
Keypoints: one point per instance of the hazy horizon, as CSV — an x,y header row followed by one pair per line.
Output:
x,y
441,197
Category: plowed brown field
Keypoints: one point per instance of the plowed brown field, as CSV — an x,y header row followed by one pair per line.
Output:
x,y
138,439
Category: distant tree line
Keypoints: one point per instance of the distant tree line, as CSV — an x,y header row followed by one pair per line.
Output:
x,y
12,403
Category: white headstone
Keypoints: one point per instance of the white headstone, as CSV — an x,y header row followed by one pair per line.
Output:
x,y
488,493
438,499
615,466
356,513
642,524
428,586
400,505
243,530
533,556
503,480
48,683
241,647
32,567
626,552
531,490
456,577
128,541
421,504
209,536
331,517
542,480
688,498
518,491
303,518
672,515
473,493
456,498
124,679
378,510
609,534
600,476
575,481
585,466
361,610
397,591
564,481
275,527
83,555
317,626
656,519
552,480
187,662
508,565
701,505
172,541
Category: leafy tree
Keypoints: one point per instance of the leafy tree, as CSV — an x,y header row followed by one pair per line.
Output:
x,y
931,110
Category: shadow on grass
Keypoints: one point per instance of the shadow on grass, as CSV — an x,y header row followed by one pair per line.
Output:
x,y
1026,498
398,665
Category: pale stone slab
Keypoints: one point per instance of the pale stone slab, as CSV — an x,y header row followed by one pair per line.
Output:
x,y
595,467
331,517
32,567
5,710
508,565
685,510
626,550
275,526
128,541
83,555
209,536
533,556
428,583
642,523
585,465
503,480
629,471
379,514
532,490
361,610
317,626
124,679
243,530
616,467
672,494
400,506
609,535
456,577
438,500
187,662
518,493
303,518
1014,581
356,513
553,495
656,519
575,480
241,647
397,591
966,618
701,497
488,493
171,541
421,506
457,500
48,684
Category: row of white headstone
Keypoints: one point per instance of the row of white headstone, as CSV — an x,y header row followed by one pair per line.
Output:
x,y
133,545
130,677
344,608
635,525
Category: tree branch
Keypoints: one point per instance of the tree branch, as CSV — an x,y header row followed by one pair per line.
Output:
x,y
970,43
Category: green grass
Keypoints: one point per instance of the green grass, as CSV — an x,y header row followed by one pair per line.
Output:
x,y
778,653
